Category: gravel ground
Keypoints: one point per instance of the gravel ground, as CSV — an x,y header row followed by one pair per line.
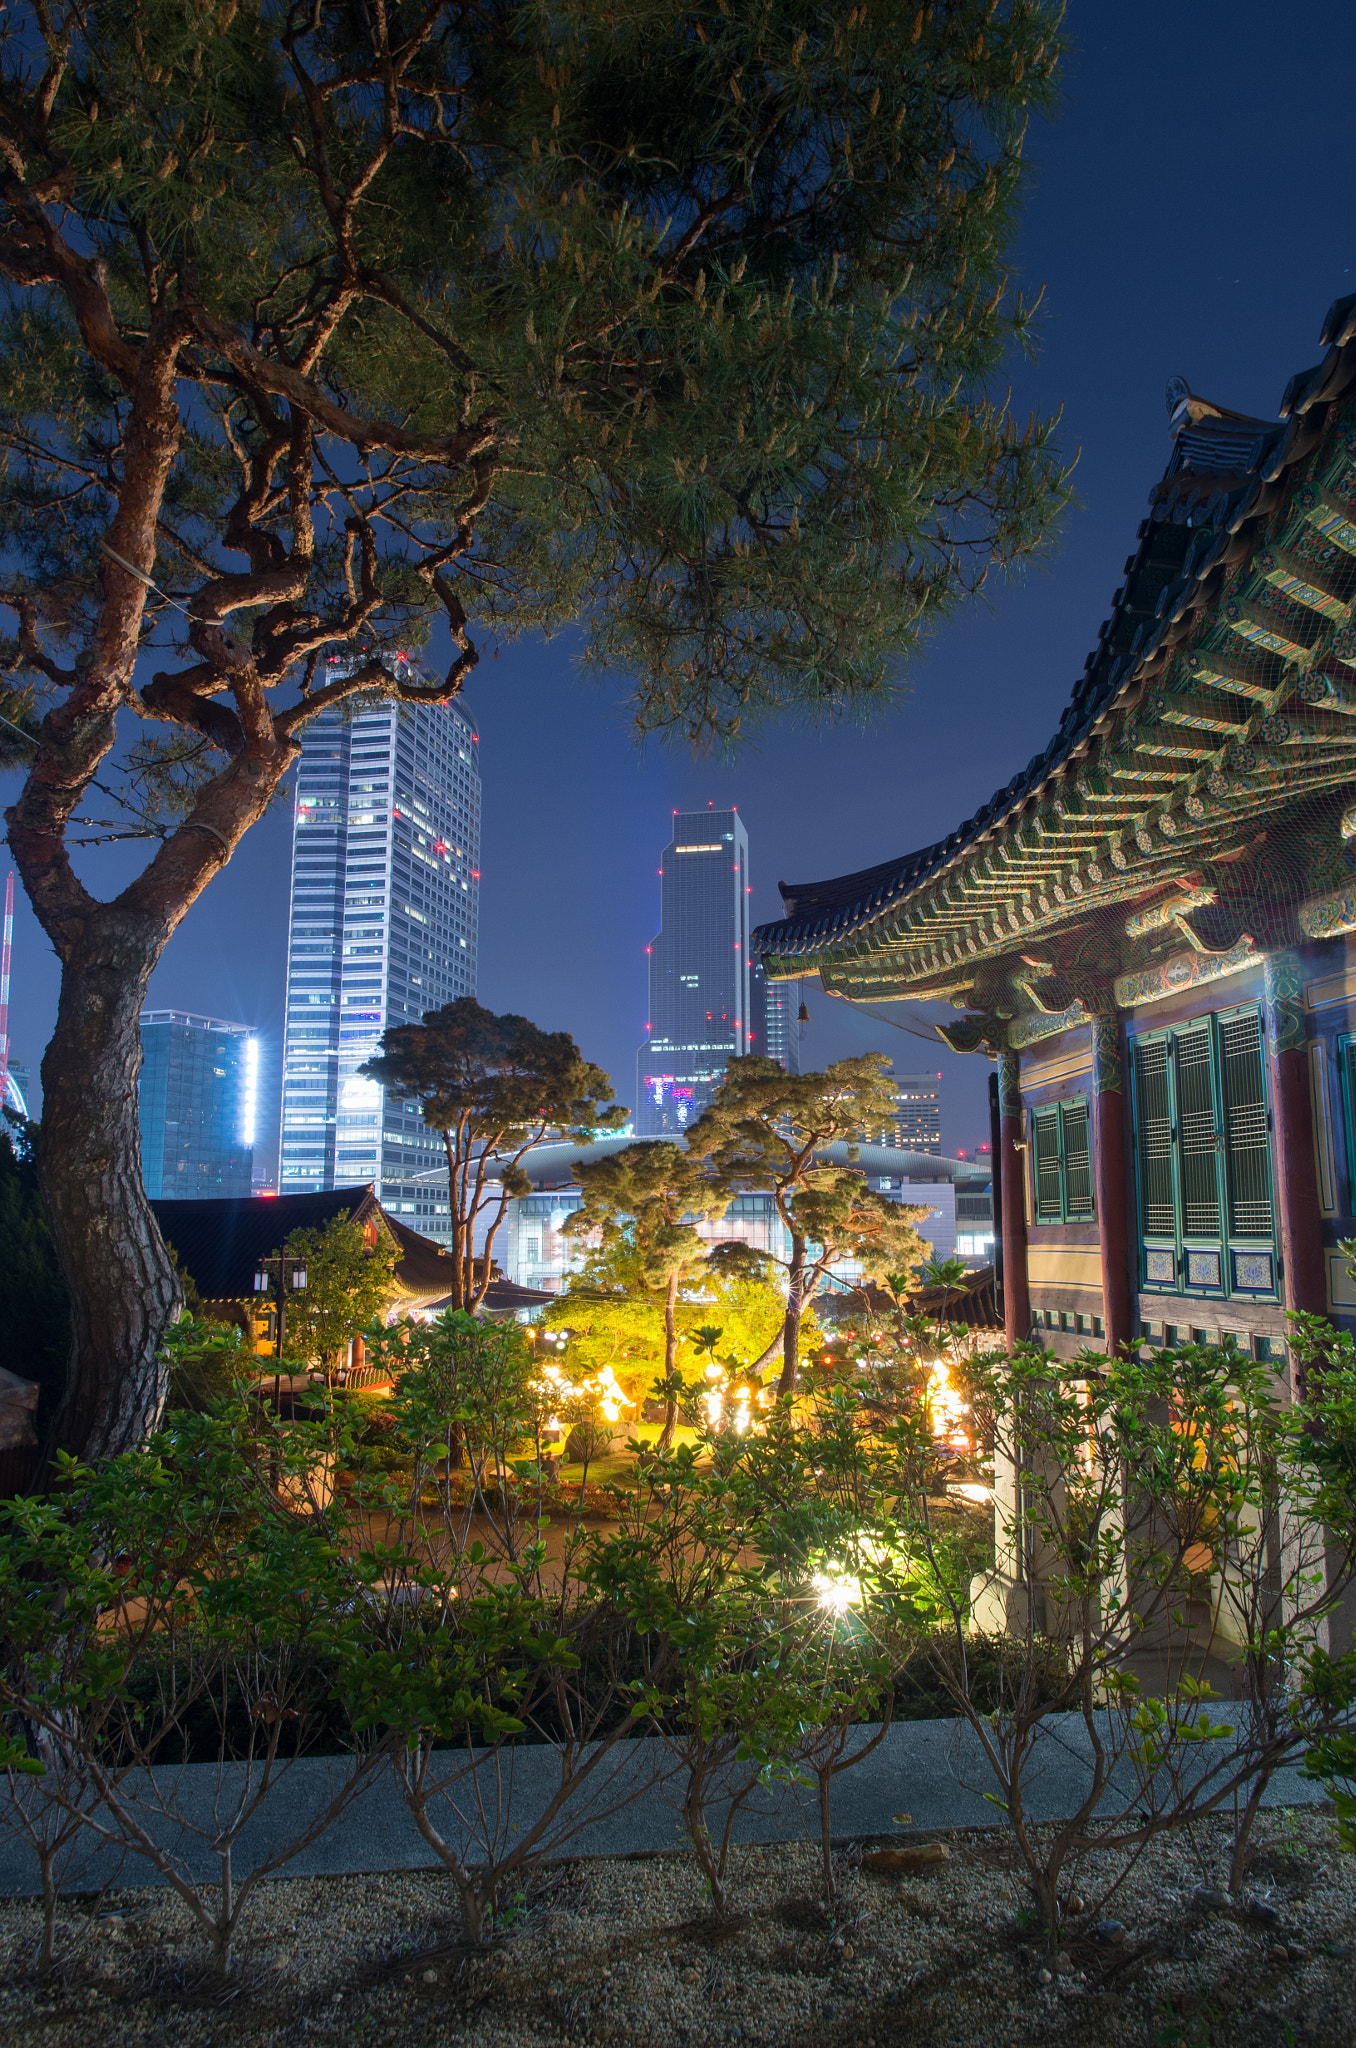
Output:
x,y
619,1952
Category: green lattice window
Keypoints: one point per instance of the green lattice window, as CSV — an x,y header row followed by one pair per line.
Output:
x,y
1346,1068
1202,1143
1061,1162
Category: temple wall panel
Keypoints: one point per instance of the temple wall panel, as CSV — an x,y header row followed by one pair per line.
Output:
x,y
1063,1257
1057,1068
1198,1001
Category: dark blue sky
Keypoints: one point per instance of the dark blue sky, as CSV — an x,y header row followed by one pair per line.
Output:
x,y
1190,212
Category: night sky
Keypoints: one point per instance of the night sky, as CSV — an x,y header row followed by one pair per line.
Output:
x,y
1190,211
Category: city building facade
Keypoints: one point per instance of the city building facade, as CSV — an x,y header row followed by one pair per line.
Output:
x,y
197,1103
1151,929
917,1122
383,927
774,1008
699,1008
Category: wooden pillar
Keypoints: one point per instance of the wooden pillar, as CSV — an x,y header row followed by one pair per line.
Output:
x,y
996,1185
1292,1126
1016,1297
1108,1151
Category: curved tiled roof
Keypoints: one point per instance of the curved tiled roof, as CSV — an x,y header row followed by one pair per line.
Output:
x,y
221,1242
1205,606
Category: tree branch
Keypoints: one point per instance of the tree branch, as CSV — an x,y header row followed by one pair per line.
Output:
x,y
282,381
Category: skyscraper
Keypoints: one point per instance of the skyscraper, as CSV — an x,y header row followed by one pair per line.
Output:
x,y
196,1105
385,900
699,971
773,1014
917,1122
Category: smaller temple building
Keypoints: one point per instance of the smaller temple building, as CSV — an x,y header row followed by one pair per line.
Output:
x,y
220,1246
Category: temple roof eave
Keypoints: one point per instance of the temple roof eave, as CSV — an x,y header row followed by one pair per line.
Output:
x,y
1220,694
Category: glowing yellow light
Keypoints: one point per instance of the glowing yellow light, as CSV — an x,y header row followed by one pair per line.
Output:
x,y
554,1383
835,1592
713,1372
944,1402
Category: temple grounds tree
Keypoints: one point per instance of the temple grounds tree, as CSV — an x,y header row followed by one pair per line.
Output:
x,y
324,328
476,1381
651,1197
349,1284
765,1129
617,1323
493,1087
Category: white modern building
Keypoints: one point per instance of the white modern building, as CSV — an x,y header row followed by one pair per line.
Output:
x,y
534,1249
384,913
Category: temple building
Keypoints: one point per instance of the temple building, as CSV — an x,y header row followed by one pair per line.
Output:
x,y
1152,928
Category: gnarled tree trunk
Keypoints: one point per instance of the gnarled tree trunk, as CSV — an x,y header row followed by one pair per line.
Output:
x,y
124,1291
123,1286
668,1432
795,1306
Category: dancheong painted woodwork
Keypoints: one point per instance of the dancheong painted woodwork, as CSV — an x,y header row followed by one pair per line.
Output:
x,y
1149,925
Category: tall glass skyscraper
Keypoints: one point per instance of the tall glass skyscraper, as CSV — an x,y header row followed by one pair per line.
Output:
x,y
196,1104
385,901
699,972
775,1023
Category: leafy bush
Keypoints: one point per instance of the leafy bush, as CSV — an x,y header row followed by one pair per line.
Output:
x,y
751,1600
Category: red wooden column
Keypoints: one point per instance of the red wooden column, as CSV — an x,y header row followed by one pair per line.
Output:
x,y
1292,1124
1016,1297
1108,1151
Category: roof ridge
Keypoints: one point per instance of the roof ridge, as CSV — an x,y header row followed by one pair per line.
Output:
x,y
1224,479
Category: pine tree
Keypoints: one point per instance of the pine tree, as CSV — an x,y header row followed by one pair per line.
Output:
x,y
651,1197
766,1130
323,326
493,1087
